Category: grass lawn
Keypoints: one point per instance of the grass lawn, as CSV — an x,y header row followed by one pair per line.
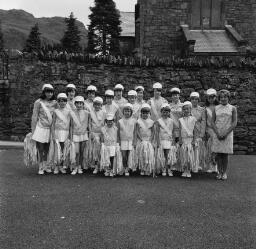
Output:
x,y
66,212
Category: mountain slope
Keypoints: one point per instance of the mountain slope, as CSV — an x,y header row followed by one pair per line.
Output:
x,y
16,25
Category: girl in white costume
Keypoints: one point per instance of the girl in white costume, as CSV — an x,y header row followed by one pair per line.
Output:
x,y
211,102
140,93
132,97
61,128
119,99
71,92
144,139
41,124
80,128
91,92
126,127
186,140
224,121
98,117
111,107
199,113
166,156
176,110
111,160
156,102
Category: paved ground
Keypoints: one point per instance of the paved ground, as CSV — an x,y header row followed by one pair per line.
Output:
x,y
66,212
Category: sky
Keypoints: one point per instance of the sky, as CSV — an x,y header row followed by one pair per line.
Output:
x,y
49,8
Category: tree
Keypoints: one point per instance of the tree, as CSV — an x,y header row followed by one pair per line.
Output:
x,y
71,38
33,43
104,28
1,38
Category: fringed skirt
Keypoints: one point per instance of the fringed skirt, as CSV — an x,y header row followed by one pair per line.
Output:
x,y
187,158
30,151
145,157
161,161
210,163
94,148
200,154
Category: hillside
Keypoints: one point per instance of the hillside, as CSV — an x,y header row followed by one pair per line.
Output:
x,y
16,25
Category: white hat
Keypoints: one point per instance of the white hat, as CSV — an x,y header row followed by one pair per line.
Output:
x,y
79,99
109,93
132,93
48,86
110,116
137,88
157,85
211,91
98,99
92,88
145,106
194,94
187,103
62,96
165,106
175,89
128,105
119,87
71,86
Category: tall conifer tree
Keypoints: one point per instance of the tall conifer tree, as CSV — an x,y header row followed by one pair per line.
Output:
x,y
104,28
71,38
33,43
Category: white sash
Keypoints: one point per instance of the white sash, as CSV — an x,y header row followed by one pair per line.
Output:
x,y
163,125
190,134
75,119
176,122
61,116
153,106
47,111
143,126
94,118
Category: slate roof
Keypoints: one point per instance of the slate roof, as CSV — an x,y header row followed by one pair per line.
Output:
x,y
213,41
127,23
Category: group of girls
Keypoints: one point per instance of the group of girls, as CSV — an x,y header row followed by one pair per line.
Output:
x,y
123,136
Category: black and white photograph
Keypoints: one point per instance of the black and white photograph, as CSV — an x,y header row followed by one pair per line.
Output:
x,y
128,124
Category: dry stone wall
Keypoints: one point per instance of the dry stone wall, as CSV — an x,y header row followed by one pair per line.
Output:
x,y
27,77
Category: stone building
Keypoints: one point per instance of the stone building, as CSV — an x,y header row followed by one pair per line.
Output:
x,y
166,27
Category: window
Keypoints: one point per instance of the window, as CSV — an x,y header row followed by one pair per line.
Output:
x,y
207,14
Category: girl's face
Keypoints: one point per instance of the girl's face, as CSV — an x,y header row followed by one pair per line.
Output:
x,y
132,99
71,93
211,99
62,103
144,114
97,106
175,97
186,110
165,113
118,94
157,93
194,101
127,112
91,95
224,99
48,94
109,123
140,95
79,105
109,100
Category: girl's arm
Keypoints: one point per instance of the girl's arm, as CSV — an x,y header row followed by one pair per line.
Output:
x,y
213,124
135,135
153,135
157,133
34,118
203,124
173,133
53,126
118,133
233,124
180,138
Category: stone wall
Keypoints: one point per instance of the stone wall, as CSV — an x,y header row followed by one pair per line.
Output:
x,y
159,23
27,77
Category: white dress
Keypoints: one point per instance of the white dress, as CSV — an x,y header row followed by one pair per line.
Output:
x,y
223,122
